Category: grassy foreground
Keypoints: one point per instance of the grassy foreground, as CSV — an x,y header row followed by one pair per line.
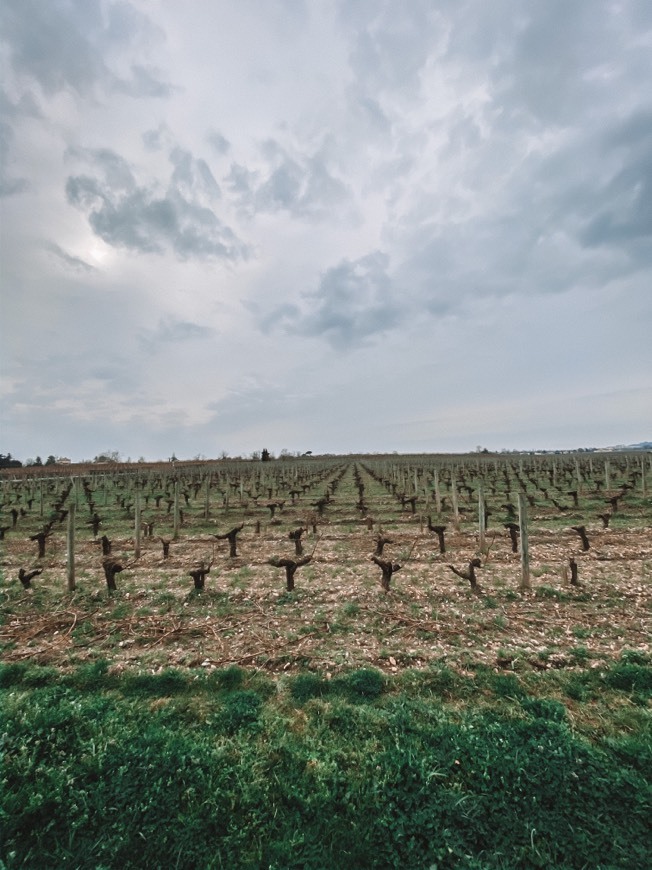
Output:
x,y
230,768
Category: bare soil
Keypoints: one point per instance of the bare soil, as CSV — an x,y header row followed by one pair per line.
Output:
x,y
338,616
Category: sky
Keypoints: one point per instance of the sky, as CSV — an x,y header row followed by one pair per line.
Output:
x,y
343,227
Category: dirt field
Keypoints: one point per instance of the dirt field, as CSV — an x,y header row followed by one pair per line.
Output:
x,y
338,616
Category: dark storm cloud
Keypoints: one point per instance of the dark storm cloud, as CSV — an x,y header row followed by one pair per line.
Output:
x,y
355,301
68,44
624,200
125,213
552,170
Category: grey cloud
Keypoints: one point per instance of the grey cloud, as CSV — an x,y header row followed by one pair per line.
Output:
x,y
127,214
171,331
552,176
253,400
156,140
629,214
463,133
144,82
50,41
557,62
634,132
624,202
372,114
302,185
560,41
355,301
75,263
24,106
282,315
116,170
282,189
448,265
115,372
598,189
241,181
192,176
116,375
391,46
67,44
218,142
125,22
9,184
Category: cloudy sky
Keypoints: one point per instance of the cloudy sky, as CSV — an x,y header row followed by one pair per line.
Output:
x,y
354,226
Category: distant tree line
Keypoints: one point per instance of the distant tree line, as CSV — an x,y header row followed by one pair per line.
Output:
x,y
6,461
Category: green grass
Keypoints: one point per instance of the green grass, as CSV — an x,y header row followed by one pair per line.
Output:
x,y
231,768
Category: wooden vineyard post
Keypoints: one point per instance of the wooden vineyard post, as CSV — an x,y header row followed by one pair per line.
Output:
x,y
525,547
481,517
40,498
137,524
176,510
207,500
643,481
437,492
70,540
578,475
456,509
607,475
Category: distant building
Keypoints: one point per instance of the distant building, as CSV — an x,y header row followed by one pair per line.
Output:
x,y
63,460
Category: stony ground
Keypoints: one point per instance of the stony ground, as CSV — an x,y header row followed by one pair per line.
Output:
x,y
338,615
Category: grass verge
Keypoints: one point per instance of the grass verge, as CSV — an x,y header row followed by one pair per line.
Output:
x,y
230,768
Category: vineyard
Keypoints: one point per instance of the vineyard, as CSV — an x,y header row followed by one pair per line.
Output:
x,y
394,562
327,662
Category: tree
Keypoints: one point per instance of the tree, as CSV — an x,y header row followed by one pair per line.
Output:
x,y
264,456
108,456
7,462
51,460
